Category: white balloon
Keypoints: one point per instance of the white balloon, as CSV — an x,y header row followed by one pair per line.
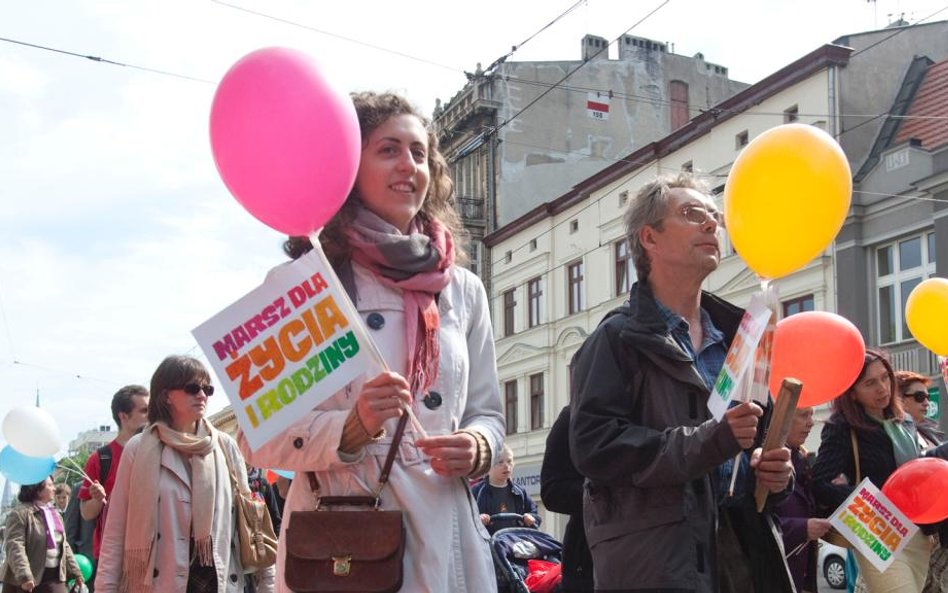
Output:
x,y
31,431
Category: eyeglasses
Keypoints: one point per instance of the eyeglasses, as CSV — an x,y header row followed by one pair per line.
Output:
x,y
194,389
700,215
919,396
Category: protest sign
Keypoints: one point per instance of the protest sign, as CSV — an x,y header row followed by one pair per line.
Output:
x,y
740,355
285,347
875,526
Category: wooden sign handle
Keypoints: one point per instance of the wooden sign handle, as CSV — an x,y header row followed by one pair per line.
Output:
x,y
784,410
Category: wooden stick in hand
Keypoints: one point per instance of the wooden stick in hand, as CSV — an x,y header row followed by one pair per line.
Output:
x,y
784,411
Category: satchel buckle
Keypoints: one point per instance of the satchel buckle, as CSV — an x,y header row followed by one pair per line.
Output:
x,y
341,565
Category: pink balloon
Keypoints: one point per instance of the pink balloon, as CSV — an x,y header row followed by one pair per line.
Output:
x,y
823,350
286,143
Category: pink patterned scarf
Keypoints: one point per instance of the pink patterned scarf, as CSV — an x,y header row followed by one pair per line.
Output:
x,y
419,264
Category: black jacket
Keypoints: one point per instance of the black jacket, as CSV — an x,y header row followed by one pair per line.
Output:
x,y
561,489
641,433
876,461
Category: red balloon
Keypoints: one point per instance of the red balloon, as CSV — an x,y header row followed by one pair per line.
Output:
x,y
824,351
918,488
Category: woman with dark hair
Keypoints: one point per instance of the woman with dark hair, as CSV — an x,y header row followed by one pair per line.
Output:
x,y
171,522
395,246
38,557
870,414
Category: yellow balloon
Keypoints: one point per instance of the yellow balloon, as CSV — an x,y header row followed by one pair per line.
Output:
x,y
786,198
926,312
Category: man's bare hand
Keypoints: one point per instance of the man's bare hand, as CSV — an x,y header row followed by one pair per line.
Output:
x,y
773,468
742,419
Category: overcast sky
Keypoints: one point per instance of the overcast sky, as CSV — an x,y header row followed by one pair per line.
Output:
x,y
117,237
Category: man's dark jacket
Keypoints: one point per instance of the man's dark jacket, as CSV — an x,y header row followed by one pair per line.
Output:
x,y
641,433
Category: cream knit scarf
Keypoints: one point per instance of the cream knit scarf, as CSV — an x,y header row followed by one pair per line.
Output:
x,y
142,512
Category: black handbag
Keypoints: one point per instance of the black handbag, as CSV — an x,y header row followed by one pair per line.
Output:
x,y
347,544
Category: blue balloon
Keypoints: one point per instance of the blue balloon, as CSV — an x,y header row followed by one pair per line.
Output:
x,y
282,472
24,469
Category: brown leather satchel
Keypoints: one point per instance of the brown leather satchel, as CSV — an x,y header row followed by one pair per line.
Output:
x,y
353,548
258,542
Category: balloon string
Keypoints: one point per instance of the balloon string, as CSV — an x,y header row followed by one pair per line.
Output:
x,y
81,474
797,549
366,339
76,466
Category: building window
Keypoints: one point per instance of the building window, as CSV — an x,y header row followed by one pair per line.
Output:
x,y
533,301
509,306
508,257
678,95
574,278
474,262
900,267
536,401
798,305
510,406
573,226
740,141
623,198
791,114
625,270
533,244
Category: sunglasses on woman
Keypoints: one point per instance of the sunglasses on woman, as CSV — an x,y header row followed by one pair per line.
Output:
x,y
195,388
919,396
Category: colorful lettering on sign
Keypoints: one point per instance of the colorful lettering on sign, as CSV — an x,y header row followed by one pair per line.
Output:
x,y
300,381
877,547
293,342
231,344
875,523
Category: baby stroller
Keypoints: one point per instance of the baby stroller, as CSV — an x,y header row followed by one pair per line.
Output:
x,y
512,547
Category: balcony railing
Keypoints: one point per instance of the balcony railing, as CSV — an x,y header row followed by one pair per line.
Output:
x,y
471,210
914,358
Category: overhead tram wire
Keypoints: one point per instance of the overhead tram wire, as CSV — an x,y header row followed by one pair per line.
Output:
x,y
633,98
736,112
503,124
899,31
106,60
337,36
514,48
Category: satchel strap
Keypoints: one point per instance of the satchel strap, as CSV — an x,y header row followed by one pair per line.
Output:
x,y
235,486
852,436
383,477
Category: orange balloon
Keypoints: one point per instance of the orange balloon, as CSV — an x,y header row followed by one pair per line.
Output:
x,y
917,487
824,351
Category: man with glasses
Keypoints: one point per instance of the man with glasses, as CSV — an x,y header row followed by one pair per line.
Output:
x,y
640,429
130,412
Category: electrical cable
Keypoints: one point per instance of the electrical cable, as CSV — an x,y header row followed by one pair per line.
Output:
x,y
337,36
106,61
